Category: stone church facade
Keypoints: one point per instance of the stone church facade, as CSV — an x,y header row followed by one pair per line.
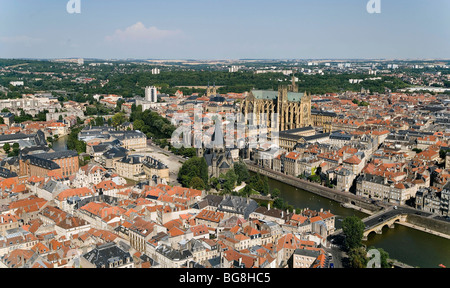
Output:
x,y
293,108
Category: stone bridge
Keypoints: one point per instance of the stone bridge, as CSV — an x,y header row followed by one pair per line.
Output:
x,y
378,226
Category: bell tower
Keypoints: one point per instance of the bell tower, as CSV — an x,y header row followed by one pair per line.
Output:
x,y
293,87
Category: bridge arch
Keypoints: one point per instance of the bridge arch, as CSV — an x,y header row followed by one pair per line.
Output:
x,y
386,225
370,233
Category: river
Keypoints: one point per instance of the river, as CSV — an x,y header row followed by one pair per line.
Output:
x,y
407,245
60,144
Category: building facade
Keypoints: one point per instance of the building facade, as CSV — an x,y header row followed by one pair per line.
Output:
x,y
293,108
63,163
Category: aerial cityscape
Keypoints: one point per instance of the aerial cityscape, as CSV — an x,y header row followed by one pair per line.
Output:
x,y
193,143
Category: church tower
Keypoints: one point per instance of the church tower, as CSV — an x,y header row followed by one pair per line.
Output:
x,y
293,87
211,91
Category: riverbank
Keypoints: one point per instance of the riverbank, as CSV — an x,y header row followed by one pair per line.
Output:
x,y
315,188
423,229
354,207
405,244
346,200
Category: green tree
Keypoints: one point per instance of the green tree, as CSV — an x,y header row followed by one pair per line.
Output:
x,y
247,191
279,203
230,180
99,121
6,147
353,229
275,193
118,119
194,167
384,257
119,105
214,182
197,183
73,143
314,178
139,125
357,257
265,185
91,110
241,170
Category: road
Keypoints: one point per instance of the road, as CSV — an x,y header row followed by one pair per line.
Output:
x,y
392,212
174,162
337,255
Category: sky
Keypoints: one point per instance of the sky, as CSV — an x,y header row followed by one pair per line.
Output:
x,y
225,29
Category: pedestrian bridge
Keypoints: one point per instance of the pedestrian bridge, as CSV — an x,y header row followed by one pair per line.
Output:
x,y
379,225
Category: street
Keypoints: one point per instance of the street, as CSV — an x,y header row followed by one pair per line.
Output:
x,y
174,162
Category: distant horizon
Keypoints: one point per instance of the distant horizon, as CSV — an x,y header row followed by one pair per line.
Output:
x,y
242,59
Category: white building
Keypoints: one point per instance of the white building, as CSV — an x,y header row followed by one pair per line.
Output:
x,y
16,83
151,94
233,69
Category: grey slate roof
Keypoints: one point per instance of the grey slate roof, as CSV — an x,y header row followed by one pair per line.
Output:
x,y
57,155
115,152
173,254
55,186
213,200
238,205
106,254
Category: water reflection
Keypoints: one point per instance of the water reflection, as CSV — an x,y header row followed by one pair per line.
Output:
x,y
60,144
407,245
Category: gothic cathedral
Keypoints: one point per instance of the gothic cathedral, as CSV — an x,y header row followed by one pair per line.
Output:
x,y
293,108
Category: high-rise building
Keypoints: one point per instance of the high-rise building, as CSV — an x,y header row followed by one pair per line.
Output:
x,y
151,94
233,69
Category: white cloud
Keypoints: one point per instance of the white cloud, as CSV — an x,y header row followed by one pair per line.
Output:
x,y
138,32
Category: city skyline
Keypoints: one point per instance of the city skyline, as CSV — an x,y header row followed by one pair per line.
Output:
x,y
206,30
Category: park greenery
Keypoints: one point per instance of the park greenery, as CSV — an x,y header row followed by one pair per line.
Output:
x,y
353,229
151,123
73,143
129,79
194,174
